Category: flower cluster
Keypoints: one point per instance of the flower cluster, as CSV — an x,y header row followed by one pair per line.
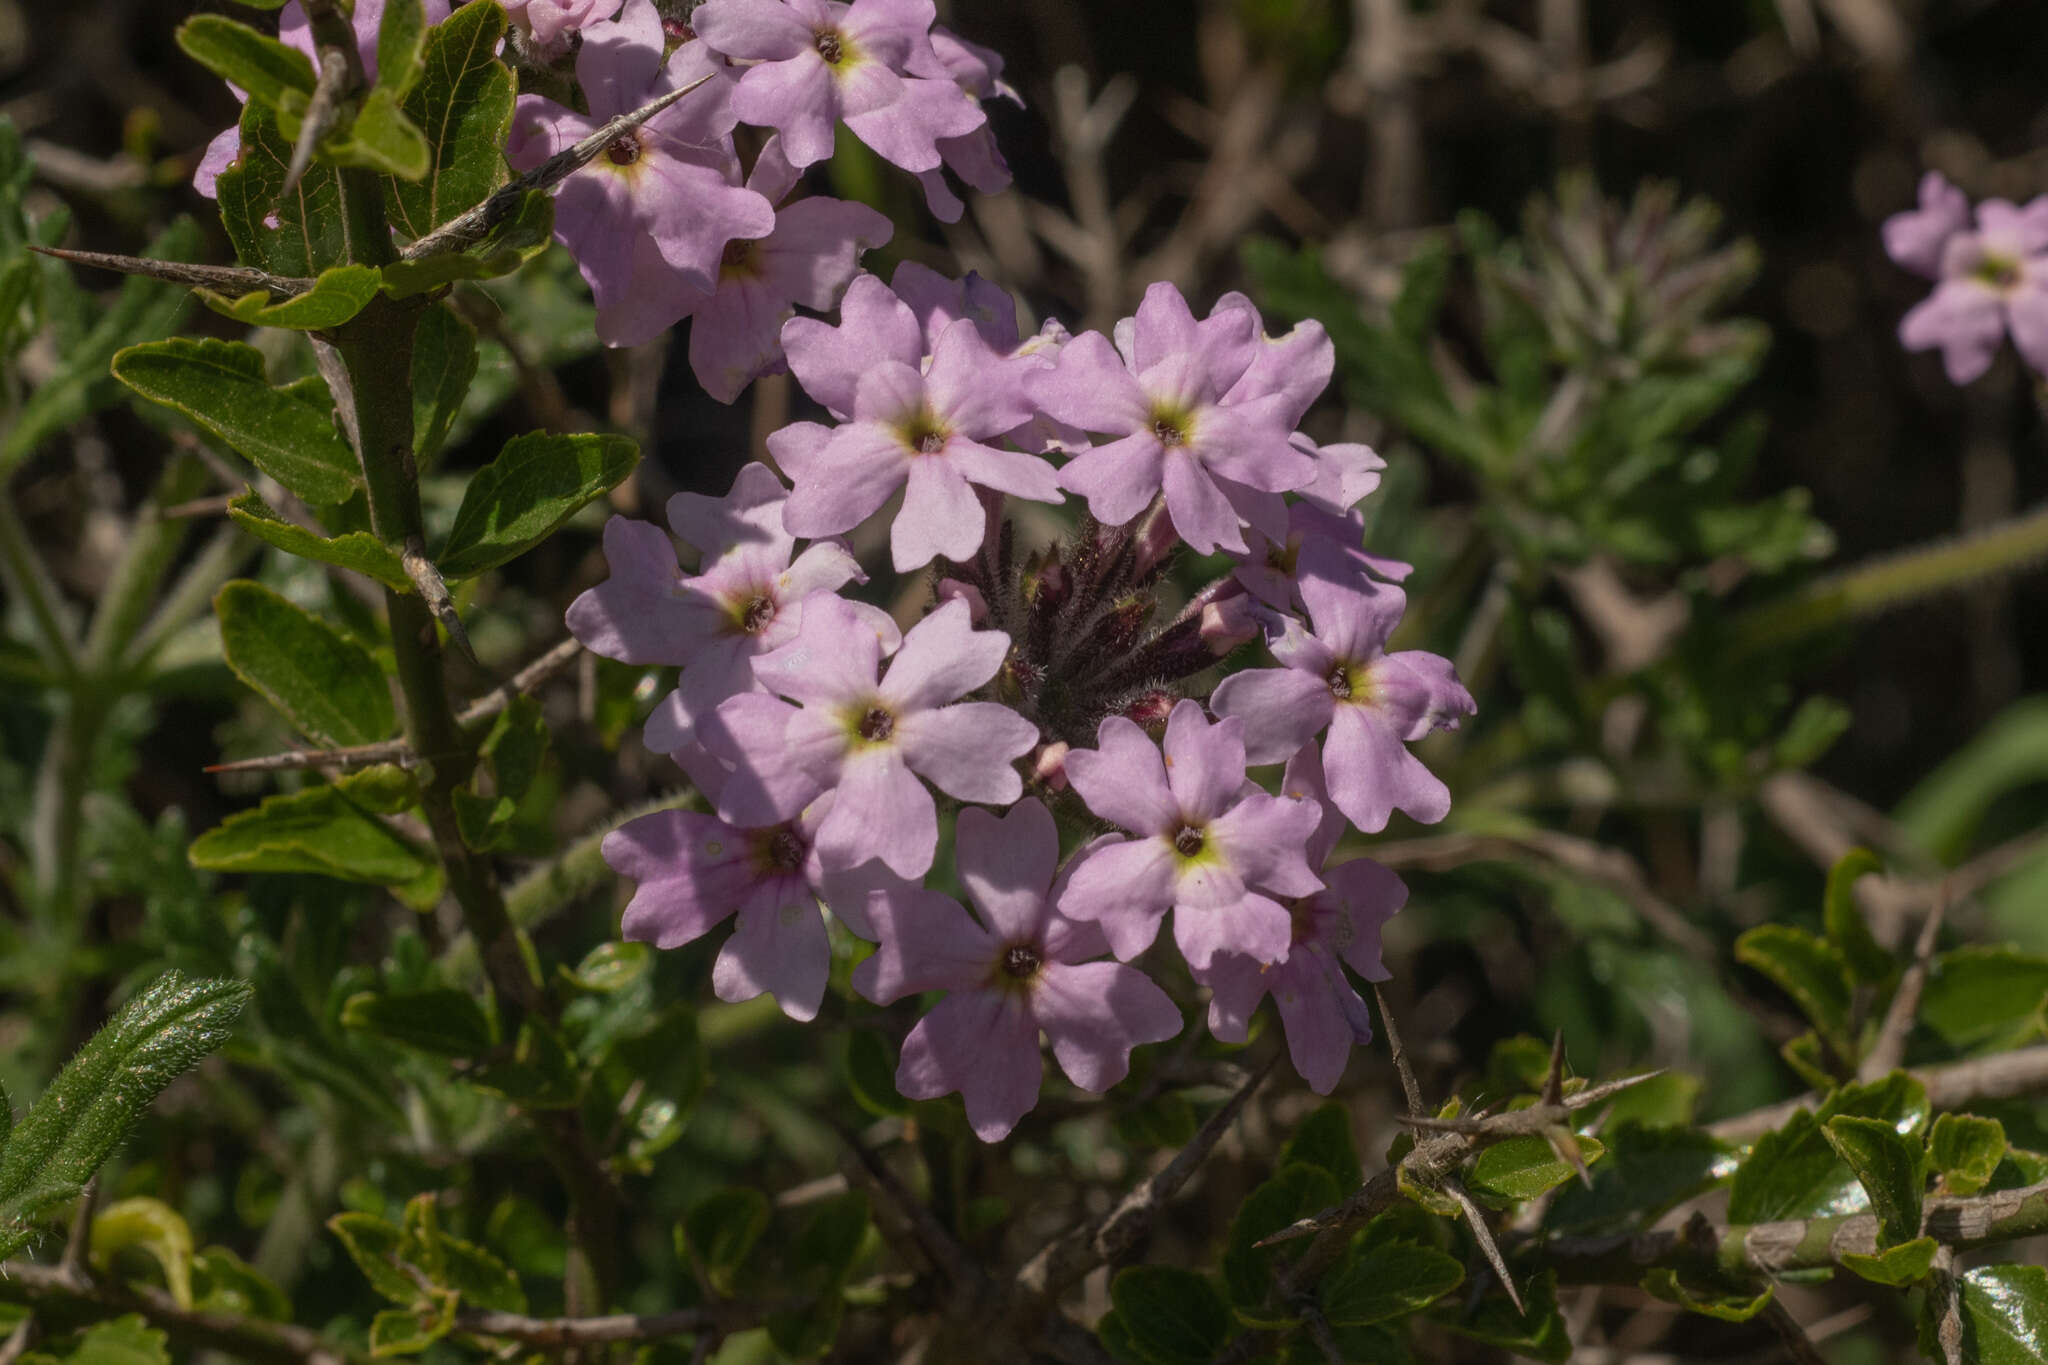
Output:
x,y
1049,686
1990,272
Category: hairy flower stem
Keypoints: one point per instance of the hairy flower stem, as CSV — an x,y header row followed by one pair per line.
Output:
x,y
368,362
1894,581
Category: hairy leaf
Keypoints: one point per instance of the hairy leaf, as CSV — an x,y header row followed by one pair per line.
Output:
x,y
356,550
336,296
270,73
325,683
443,364
462,102
1892,1169
325,830
1387,1280
537,482
221,386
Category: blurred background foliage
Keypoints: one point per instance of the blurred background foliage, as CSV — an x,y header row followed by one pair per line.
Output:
x,y
1607,291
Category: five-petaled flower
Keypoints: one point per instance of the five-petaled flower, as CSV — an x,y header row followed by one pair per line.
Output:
x,y
1022,968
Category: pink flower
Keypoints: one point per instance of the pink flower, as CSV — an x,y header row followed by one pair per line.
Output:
x,y
695,871
975,156
294,30
818,62
1022,968
810,257
649,219
1993,280
868,738
920,426
1159,395
1345,472
550,22
715,623
1320,1010
1204,838
1373,703
1917,237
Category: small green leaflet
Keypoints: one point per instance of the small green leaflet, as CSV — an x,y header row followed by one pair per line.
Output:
x,y
537,482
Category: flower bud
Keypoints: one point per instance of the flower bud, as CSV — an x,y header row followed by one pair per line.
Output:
x,y
1050,766
1228,623
977,605
1155,541
1151,707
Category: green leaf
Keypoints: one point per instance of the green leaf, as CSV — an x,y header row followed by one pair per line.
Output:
x,y
100,1094
537,482
819,1262
720,1231
1536,1331
1795,1173
612,966
225,1283
1965,1151
871,1074
404,1332
463,104
1943,813
126,1340
273,75
321,830
382,138
323,682
446,1022
2005,1315
1165,1120
1891,1168
1810,970
476,1276
444,362
1647,1170
296,234
358,551
1524,1167
512,754
514,240
373,1245
1845,924
1387,1280
1981,996
1292,1194
401,41
1172,1316
1730,1305
221,386
1324,1139
336,296
149,1225
143,310
1898,1266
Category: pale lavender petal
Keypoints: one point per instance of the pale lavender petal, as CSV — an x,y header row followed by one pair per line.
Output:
x,y
1917,237
220,154
1124,887
773,779
735,337
1965,320
941,517
1123,779
1095,1013
1119,479
835,658
1091,388
1372,774
691,871
1006,863
978,392
1254,925
928,942
749,514
797,446
1204,762
812,256
1266,839
1363,896
1352,614
1007,471
849,480
1201,514
904,127
1320,1035
943,658
1304,781
1236,986
638,615
751,30
1282,710
874,326
968,750
983,1044
2027,313
795,97
1418,693
618,61
778,947
880,810
1164,326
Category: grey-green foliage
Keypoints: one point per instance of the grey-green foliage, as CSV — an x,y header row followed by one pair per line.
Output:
x,y
68,1133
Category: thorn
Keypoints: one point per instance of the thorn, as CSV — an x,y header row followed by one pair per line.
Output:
x,y
320,117
225,279
1606,1090
1409,1086
1484,1236
1565,1143
1553,1080
434,590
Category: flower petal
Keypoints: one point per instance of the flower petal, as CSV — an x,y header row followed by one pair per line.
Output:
x,y
1095,1013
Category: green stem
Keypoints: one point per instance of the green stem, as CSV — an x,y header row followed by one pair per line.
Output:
x,y
1868,589
23,574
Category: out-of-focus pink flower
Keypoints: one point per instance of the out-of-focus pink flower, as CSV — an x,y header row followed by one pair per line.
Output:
x,y
1992,281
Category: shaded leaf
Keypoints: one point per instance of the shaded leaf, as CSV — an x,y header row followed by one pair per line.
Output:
x,y
1729,1305
1293,1193
1846,927
1172,1316
269,72
720,1231
1980,995
336,296
324,683
296,234
148,1225
354,550
871,1074
321,830
1523,1168
446,1022
1965,1151
1387,1280
444,360
537,482
1897,1266
1891,1168
221,386
1536,1331
381,138
463,104
225,1283
1795,1173
1810,970
1324,1139
1648,1170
